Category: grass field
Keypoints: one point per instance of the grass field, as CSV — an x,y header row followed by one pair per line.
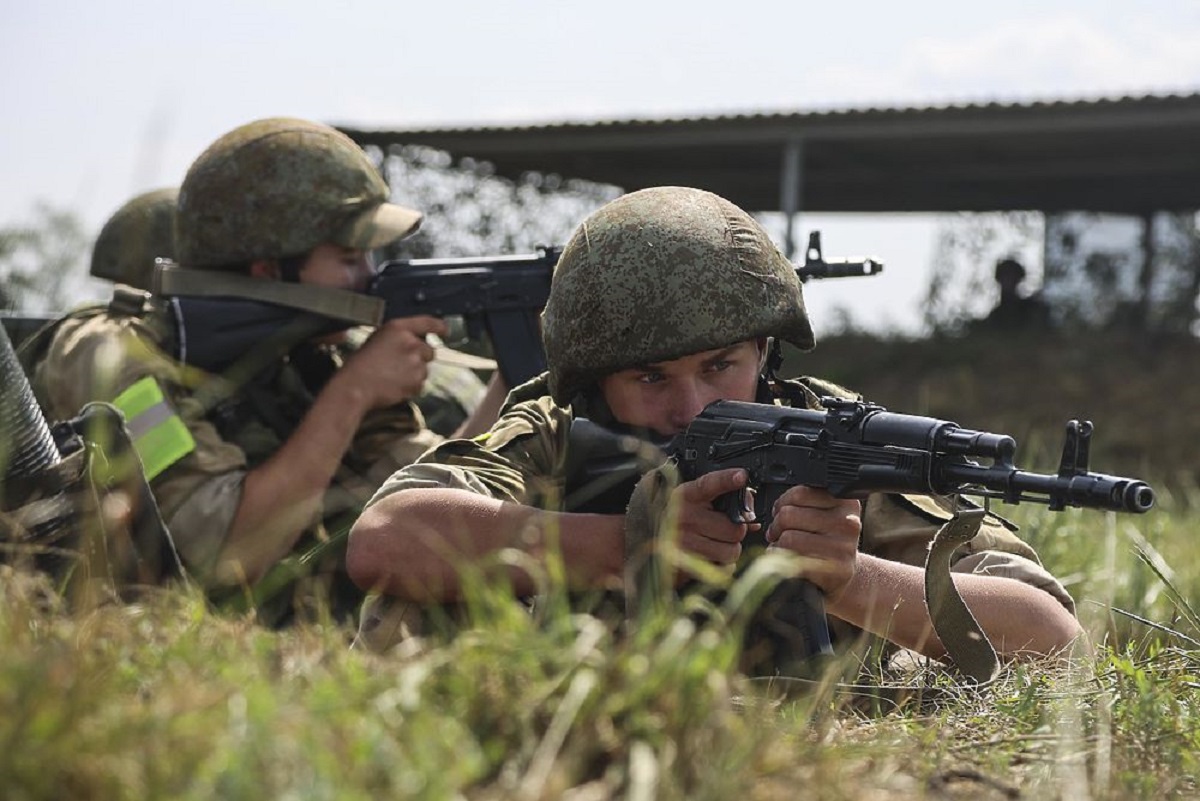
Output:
x,y
166,699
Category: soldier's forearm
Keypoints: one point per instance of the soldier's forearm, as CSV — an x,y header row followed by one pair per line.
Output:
x,y
887,598
283,494
420,544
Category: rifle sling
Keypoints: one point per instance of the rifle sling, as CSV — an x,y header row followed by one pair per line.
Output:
x,y
966,644
339,304
964,640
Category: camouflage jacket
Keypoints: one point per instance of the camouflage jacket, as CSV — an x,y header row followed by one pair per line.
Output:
x,y
524,459
198,436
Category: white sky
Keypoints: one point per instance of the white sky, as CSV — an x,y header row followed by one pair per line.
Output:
x,y
102,100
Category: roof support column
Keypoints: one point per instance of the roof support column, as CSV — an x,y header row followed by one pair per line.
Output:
x,y
1146,278
791,180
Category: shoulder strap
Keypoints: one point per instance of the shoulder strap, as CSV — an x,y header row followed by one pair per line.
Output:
x,y
355,307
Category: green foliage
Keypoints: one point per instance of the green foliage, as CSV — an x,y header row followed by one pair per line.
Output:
x,y
165,699
469,211
1129,386
40,260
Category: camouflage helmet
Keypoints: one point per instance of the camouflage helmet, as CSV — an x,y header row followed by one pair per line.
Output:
x,y
138,233
279,187
664,273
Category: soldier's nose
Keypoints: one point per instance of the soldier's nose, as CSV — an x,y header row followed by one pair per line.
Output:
x,y
689,402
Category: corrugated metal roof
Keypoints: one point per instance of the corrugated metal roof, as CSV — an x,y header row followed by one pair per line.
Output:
x,y
1128,154
1072,105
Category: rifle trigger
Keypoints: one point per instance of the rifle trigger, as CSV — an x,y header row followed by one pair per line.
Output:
x,y
746,513
738,505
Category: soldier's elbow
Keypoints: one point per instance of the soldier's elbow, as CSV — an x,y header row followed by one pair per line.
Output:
x,y
368,550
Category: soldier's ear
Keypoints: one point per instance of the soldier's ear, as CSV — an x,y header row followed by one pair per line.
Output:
x,y
764,350
267,269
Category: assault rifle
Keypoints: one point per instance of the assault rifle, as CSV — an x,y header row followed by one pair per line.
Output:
x,y
855,448
57,487
852,449
500,296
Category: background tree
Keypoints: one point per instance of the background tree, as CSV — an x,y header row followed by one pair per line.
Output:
x,y
469,211
42,261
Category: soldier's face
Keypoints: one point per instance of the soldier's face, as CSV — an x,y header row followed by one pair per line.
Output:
x,y
338,267
665,397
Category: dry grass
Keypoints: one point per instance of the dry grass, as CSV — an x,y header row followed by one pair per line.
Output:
x,y
165,699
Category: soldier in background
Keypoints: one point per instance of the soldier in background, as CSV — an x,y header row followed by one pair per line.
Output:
x,y
143,230
139,232
1015,311
256,480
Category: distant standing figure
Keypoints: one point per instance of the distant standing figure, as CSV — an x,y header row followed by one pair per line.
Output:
x,y
1014,311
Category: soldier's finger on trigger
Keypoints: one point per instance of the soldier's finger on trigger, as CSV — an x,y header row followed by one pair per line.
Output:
x,y
711,486
426,324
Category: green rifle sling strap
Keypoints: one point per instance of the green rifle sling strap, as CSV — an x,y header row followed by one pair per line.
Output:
x,y
962,637
339,304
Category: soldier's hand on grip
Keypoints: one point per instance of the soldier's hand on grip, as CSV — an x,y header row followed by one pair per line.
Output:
x,y
393,363
823,529
703,530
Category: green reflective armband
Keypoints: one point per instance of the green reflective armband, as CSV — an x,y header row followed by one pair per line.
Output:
x,y
159,435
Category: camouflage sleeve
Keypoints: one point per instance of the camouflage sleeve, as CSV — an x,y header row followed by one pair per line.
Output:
x,y
901,527
200,524
519,460
385,443
117,360
449,395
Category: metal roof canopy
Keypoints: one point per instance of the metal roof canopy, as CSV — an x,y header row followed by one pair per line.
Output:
x,y
1127,155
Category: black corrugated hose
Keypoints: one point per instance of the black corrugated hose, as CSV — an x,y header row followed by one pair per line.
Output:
x,y
27,447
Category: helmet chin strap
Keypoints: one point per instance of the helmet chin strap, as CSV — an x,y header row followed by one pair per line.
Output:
x,y
772,358
769,386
